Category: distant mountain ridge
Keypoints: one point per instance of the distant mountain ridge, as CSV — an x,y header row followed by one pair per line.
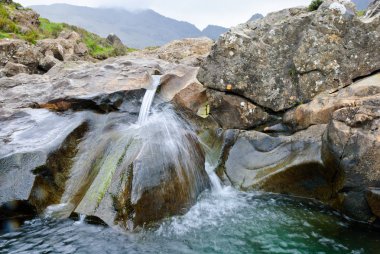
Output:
x,y
136,29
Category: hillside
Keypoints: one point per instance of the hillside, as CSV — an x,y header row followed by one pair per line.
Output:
x,y
138,29
23,23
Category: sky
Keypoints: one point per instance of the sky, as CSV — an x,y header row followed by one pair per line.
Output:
x,y
225,13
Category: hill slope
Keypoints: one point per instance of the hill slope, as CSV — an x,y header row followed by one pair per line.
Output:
x,y
136,29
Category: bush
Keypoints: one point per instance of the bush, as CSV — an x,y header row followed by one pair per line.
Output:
x,y
314,5
31,36
360,13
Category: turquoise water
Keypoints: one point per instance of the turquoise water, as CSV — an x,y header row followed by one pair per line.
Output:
x,y
226,221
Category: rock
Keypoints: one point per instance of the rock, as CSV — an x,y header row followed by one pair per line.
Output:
x,y
48,62
81,49
125,185
284,164
234,112
373,10
189,51
373,199
103,87
114,40
11,69
8,47
321,108
37,147
351,145
51,47
21,53
290,56
27,19
182,87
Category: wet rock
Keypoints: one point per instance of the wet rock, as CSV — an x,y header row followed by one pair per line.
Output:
x,y
373,199
234,112
351,145
37,148
285,164
290,56
128,185
321,108
104,86
182,87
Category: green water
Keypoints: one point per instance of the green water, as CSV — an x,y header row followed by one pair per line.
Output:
x,y
227,221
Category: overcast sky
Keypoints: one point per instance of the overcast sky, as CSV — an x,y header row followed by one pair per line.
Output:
x,y
199,12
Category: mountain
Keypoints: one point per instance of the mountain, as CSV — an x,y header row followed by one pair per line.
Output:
x,y
256,17
213,32
362,4
136,29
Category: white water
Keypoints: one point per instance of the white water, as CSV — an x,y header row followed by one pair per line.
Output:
x,y
148,99
82,217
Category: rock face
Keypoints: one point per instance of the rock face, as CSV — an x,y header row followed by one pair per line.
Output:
x,y
320,110
290,165
234,112
352,145
190,51
290,56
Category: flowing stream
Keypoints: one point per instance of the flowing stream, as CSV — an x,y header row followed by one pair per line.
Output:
x,y
223,220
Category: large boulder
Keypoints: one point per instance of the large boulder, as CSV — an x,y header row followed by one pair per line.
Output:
x,y
351,145
289,57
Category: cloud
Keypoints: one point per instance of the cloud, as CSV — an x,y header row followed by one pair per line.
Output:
x,y
199,12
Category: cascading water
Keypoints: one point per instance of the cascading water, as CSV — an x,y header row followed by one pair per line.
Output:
x,y
223,220
148,99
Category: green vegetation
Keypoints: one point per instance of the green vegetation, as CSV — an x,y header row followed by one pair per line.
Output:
x,y
98,47
361,13
314,5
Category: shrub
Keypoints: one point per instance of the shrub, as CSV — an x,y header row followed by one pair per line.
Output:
x,y
360,13
31,36
314,5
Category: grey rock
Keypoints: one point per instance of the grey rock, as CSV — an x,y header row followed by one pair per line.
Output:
x,y
290,56
351,145
234,112
284,164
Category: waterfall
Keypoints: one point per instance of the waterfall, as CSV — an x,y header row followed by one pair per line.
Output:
x,y
148,99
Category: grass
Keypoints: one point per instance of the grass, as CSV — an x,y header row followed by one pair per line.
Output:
x,y
314,5
360,13
98,47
